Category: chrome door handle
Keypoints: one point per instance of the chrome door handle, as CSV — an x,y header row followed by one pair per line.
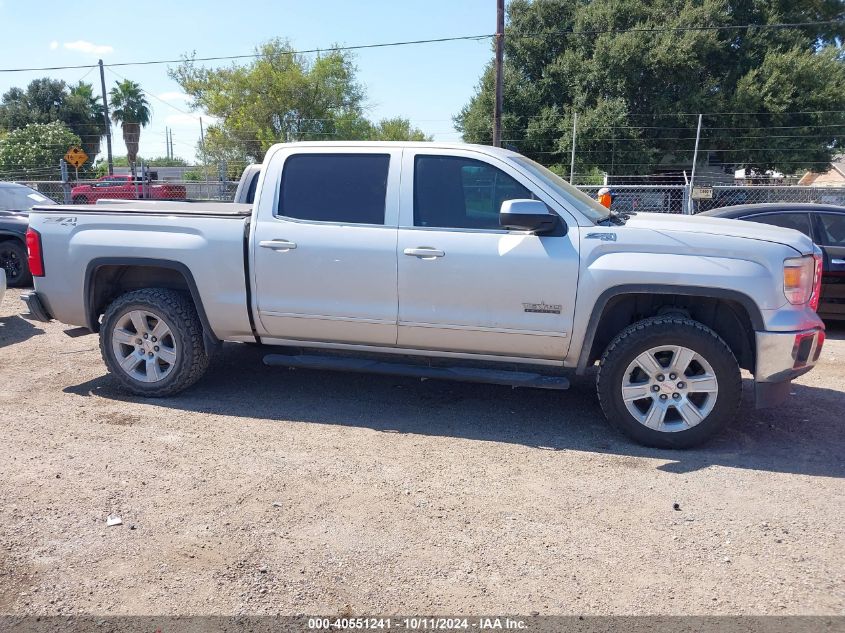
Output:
x,y
278,245
424,252
838,262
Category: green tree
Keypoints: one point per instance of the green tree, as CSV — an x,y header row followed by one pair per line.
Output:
x,y
636,92
84,114
30,150
46,100
396,129
281,97
130,108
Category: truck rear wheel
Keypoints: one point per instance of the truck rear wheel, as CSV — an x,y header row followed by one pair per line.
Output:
x,y
151,341
13,259
669,382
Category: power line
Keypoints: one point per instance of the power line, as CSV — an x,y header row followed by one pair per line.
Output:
x,y
257,55
662,29
438,40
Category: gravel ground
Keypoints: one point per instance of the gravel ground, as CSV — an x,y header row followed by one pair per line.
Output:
x,y
265,490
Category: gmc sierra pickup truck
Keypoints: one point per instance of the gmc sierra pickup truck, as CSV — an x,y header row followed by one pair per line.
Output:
x,y
443,261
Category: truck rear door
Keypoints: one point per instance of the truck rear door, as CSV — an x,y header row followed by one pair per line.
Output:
x,y
324,245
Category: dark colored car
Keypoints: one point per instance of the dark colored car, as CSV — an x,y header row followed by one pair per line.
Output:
x,y
15,202
824,224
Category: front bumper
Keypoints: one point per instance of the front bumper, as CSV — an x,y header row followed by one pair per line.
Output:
x,y
782,356
36,308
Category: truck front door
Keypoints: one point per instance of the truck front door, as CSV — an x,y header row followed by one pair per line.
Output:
x,y
324,246
466,284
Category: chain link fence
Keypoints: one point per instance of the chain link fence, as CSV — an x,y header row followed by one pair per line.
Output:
x,y
88,191
627,198
644,198
725,196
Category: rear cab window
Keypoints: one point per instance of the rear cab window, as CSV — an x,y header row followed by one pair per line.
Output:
x,y
341,188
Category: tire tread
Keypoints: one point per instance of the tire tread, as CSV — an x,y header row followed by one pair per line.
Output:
x,y
667,324
184,320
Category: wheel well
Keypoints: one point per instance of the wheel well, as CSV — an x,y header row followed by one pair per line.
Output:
x,y
5,237
107,283
729,318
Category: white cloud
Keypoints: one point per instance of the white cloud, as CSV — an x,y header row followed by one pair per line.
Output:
x,y
173,96
54,45
87,47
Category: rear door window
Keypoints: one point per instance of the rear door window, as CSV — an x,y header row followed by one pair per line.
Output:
x,y
832,229
345,188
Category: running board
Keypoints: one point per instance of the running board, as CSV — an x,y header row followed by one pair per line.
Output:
x,y
465,374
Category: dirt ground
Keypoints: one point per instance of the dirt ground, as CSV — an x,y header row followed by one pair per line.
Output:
x,y
265,490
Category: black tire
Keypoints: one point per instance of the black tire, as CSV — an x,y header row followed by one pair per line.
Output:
x,y
668,331
177,311
80,200
14,260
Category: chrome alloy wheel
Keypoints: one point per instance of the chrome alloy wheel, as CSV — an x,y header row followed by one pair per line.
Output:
x,y
144,346
669,388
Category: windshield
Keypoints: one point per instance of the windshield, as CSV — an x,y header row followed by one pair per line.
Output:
x,y
577,198
14,197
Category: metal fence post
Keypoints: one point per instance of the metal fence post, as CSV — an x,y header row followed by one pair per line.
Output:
x,y
687,202
65,182
694,161
572,160
221,186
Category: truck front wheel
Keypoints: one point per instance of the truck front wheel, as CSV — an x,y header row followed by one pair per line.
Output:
x,y
151,341
669,382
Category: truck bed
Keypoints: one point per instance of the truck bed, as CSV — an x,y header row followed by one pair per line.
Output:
x,y
153,207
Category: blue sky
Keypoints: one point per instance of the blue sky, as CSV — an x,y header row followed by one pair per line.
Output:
x,y
427,83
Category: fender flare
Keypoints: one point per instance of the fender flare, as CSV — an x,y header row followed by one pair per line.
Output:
x,y
210,341
741,298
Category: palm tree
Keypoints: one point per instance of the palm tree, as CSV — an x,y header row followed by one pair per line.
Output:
x,y
85,116
131,109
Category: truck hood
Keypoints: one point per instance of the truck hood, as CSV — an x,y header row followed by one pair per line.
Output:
x,y
665,223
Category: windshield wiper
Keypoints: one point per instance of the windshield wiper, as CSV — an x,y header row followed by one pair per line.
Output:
x,y
616,218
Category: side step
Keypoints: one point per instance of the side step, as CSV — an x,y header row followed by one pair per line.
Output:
x,y
466,374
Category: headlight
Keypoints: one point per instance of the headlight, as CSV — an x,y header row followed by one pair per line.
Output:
x,y
798,277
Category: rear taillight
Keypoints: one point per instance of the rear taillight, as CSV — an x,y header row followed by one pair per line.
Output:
x,y
36,257
817,283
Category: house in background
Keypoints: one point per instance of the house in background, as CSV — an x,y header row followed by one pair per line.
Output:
x,y
833,177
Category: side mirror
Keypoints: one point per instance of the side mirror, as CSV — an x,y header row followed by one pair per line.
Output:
x,y
527,215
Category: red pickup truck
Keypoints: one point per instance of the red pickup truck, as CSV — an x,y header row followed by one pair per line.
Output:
x,y
125,188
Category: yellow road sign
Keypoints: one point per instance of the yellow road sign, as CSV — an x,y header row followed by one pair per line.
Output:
x,y
76,157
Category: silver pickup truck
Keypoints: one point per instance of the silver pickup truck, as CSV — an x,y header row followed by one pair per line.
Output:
x,y
443,261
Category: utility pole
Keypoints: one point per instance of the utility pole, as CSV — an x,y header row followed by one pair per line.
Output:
x,y
500,79
108,121
572,162
170,142
166,143
694,161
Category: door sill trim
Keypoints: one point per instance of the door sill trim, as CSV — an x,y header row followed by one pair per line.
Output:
x,y
352,347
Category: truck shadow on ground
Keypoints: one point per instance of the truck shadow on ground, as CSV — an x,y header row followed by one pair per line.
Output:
x,y
803,436
15,329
